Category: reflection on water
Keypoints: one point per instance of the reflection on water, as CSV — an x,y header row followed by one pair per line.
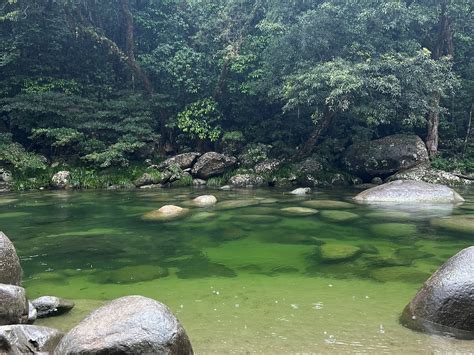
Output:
x,y
260,272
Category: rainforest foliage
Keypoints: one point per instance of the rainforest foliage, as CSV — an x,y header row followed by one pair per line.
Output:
x,y
112,82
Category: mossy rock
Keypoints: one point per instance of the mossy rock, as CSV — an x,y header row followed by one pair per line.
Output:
x,y
339,216
7,201
389,215
328,204
387,261
393,230
299,211
411,254
131,274
260,211
293,238
460,224
14,214
268,201
231,204
257,219
468,206
338,252
399,273
202,217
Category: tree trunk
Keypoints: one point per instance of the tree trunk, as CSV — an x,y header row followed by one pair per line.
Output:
x,y
443,47
321,126
129,47
433,124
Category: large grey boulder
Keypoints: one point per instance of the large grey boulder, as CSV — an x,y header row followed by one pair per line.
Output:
x,y
49,306
386,156
212,164
61,180
14,307
28,339
424,172
183,161
445,303
10,269
406,191
246,180
128,325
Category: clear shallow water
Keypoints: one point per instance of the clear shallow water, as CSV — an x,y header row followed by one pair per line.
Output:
x,y
249,279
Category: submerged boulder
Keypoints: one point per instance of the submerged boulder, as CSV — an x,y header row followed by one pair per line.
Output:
x,y
338,252
299,211
61,180
128,325
339,216
212,164
28,339
406,191
328,204
14,307
165,213
246,180
383,157
459,223
10,268
205,201
183,161
445,303
49,306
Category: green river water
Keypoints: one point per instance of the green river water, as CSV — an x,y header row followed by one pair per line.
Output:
x,y
243,277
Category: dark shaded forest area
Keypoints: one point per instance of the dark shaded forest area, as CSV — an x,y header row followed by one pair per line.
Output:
x,y
109,84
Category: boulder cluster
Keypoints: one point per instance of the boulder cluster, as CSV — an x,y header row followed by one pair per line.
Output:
x,y
128,325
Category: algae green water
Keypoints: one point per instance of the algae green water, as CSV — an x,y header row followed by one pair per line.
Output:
x,y
262,272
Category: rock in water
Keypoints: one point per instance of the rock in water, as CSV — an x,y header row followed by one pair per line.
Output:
x,y
301,191
28,339
128,325
406,191
183,161
205,201
61,180
49,306
445,303
13,305
383,157
212,164
10,269
165,213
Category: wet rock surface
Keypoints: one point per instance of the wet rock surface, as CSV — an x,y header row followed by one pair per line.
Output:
x,y
28,339
205,201
49,306
445,303
183,161
10,268
13,305
403,191
128,325
167,212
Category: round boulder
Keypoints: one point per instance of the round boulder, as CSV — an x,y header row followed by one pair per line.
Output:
x,y
61,180
165,213
205,201
128,325
212,164
28,339
246,180
383,157
406,191
14,308
10,269
445,303
49,306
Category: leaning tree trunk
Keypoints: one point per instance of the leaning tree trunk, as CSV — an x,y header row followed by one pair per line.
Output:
x,y
321,126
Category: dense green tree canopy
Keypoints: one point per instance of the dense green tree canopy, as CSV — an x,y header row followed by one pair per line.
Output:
x,y
105,83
